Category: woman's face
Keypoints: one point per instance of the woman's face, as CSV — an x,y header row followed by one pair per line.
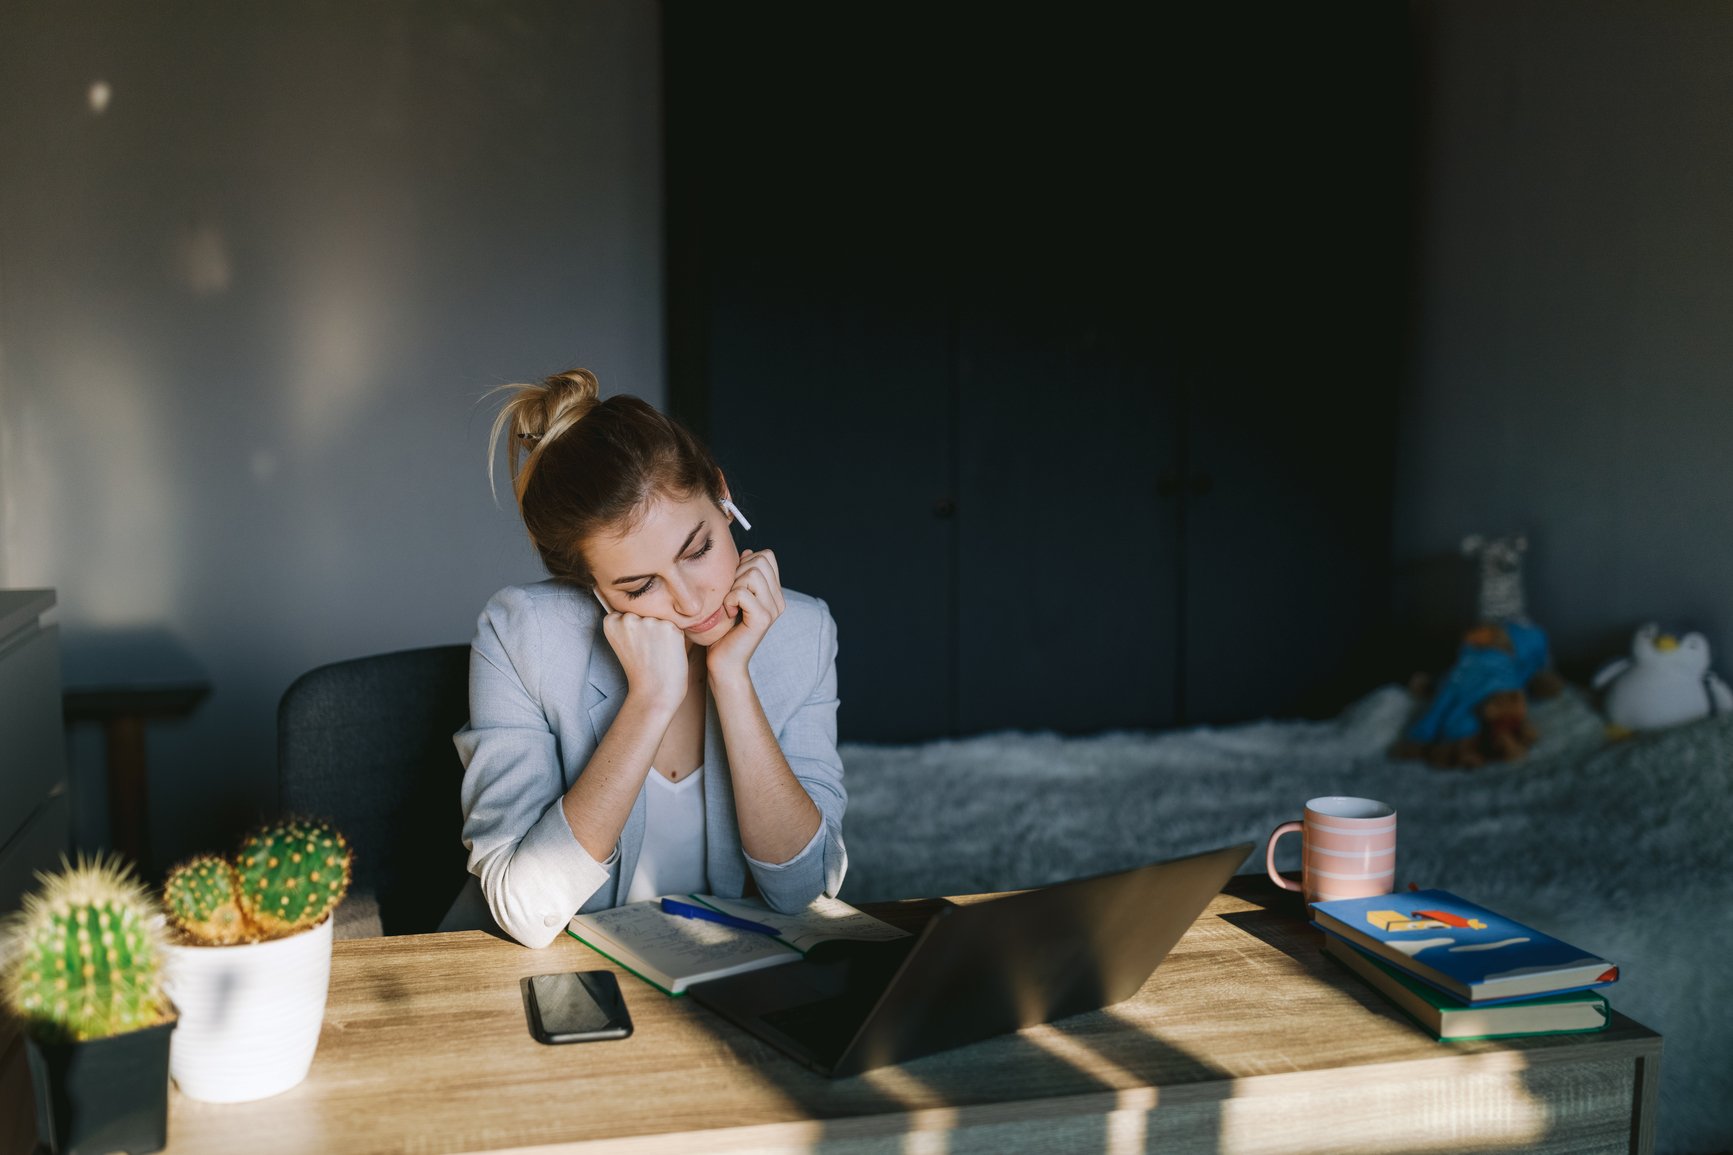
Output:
x,y
676,564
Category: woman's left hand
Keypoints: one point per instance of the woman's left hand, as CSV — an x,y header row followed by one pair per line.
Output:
x,y
756,597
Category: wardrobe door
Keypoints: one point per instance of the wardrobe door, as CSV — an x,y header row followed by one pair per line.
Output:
x,y
812,327
1299,272
1059,359
1068,551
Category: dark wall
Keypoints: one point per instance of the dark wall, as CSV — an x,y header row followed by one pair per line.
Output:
x,y
258,264
1570,375
1057,356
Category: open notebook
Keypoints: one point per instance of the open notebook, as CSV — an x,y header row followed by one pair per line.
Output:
x,y
672,953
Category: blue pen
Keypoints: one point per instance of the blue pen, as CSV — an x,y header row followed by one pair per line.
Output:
x,y
687,910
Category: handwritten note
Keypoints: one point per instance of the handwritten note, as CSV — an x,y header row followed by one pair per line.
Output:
x,y
824,920
672,953
684,947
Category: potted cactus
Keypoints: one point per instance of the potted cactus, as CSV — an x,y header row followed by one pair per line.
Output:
x,y
83,978
249,959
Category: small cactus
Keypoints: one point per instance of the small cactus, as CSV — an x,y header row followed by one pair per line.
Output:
x,y
86,961
292,874
200,897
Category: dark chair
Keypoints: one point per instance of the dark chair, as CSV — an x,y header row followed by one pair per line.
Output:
x,y
367,745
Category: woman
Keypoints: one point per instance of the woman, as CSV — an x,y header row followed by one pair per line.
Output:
x,y
660,716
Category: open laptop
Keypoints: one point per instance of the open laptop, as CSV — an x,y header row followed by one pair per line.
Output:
x,y
975,971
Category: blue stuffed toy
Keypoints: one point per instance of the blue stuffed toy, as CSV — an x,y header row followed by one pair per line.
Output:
x,y
1492,660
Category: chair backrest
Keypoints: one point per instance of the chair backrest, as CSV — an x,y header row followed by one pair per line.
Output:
x,y
367,744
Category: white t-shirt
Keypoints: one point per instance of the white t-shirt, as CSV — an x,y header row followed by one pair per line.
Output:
x,y
673,855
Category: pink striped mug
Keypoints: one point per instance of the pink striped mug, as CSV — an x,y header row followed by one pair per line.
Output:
x,y
1348,846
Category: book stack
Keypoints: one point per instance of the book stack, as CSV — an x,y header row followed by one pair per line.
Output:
x,y
1462,971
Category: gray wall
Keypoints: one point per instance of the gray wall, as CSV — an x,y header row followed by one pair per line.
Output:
x,y
1573,369
247,309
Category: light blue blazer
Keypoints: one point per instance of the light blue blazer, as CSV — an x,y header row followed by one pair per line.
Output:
x,y
545,685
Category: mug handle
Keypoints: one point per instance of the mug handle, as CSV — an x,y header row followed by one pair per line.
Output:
x,y
1270,854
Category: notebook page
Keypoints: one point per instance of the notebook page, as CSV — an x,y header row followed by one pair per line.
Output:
x,y
823,920
682,948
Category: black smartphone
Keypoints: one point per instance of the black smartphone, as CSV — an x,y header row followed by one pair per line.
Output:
x,y
577,1007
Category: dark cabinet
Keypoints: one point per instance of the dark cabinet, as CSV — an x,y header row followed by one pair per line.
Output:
x,y
35,804
1059,361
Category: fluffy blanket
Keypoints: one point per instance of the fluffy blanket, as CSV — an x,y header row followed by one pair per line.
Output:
x,y
1622,848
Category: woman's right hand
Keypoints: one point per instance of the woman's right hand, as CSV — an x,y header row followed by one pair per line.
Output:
x,y
653,653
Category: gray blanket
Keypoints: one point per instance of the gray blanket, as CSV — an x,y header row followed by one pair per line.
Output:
x,y
1623,848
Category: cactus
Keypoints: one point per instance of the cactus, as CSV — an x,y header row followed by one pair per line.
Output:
x,y
292,874
286,878
200,897
87,961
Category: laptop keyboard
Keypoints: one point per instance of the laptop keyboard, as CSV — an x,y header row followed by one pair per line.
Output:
x,y
824,1026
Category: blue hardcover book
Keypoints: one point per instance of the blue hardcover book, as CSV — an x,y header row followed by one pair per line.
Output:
x,y
1463,949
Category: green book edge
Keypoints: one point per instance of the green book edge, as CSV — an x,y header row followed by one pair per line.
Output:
x,y
623,966
1445,1004
779,940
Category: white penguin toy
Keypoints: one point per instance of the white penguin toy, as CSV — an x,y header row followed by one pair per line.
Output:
x,y
1665,681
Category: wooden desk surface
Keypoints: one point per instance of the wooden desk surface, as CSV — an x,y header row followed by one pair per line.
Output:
x,y
1246,1038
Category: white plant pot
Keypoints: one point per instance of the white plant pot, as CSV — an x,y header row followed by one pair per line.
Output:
x,y
249,1015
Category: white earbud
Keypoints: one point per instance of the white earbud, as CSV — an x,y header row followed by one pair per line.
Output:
x,y
730,507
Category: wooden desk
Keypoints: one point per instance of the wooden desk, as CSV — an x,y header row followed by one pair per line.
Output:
x,y
1246,1039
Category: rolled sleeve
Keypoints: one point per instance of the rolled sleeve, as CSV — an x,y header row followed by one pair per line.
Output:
x,y
534,872
808,742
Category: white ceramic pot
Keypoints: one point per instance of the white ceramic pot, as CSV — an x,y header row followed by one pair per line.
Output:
x,y
249,1015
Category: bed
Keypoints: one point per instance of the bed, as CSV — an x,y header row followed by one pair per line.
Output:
x,y
1621,847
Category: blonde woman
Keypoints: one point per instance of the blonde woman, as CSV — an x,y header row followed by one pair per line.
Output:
x,y
659,716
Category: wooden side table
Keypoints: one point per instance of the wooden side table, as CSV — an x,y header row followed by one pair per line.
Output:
x,y
123,714
124,680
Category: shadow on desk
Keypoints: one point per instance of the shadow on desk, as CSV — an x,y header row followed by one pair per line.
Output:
x,y
1050,1087
1063,1080
1278,917
1004,1094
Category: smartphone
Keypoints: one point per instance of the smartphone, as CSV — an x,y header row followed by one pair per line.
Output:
x,y
578,1007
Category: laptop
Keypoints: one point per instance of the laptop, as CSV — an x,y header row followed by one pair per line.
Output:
x,y
975,971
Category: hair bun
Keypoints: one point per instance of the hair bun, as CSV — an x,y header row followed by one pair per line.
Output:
x,y
554,406
535,415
